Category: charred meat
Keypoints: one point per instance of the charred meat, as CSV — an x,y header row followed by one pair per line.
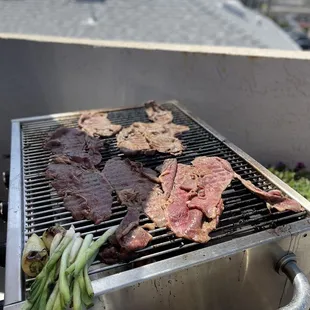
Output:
x,y
87,193
157,113
76,145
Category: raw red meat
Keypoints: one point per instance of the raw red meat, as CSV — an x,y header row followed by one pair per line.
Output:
x,y
195,203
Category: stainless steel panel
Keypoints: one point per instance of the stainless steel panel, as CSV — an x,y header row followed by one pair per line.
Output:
x,y
245,280
15,230
105,284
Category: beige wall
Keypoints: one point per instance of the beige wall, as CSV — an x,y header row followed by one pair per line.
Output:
x,y
259,103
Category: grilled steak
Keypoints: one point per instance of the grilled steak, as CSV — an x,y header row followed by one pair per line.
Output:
x,y
137,189
183,221
157,113
136,239
98,124
195,203
133,185
75,144
123,250
130,221
87,194
147,138
273,197
167,176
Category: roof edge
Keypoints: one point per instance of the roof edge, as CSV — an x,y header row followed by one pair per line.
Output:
x,y
221,50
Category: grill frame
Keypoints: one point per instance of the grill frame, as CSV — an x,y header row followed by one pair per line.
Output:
x,y
14,277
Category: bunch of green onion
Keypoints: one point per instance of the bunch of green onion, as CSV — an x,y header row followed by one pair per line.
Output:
x,y
64,280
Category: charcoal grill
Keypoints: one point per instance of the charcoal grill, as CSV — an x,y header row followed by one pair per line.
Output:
x,y
245,223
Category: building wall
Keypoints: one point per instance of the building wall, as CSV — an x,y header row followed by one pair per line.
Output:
x,y
259,103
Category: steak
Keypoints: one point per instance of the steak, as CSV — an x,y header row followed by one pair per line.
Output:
x,y
123,250
130,221
274,197
98,124
167,176
135,188
147,138
136,239
76,145
183,221
195,203
129,235
86,192
157,113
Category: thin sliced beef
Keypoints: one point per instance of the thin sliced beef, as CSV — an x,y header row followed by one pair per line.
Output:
x,y
112,254
136,239
121,247
98,124
131,142
87,194
184,222
129,237
157,113
76,145
222,168
273,197
147,138
136,190
130,221
211,181
167,176
195,204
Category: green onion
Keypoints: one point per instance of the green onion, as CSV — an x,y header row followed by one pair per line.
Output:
x,y
79,265
89,287
77,303
82,253
85,298
63,281
52,299
44,275
57,304
56,240
57,254
50,281
75,249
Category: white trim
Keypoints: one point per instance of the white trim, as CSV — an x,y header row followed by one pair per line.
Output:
x,y
223,50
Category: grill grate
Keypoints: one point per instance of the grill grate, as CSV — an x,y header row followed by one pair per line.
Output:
x,y
244,213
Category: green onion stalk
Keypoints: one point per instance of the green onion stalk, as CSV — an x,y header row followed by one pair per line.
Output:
x,y
45,275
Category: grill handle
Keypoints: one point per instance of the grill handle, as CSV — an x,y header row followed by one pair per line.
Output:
x,y
301,298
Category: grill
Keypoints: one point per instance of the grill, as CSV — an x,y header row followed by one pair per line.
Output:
x,y
40,207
